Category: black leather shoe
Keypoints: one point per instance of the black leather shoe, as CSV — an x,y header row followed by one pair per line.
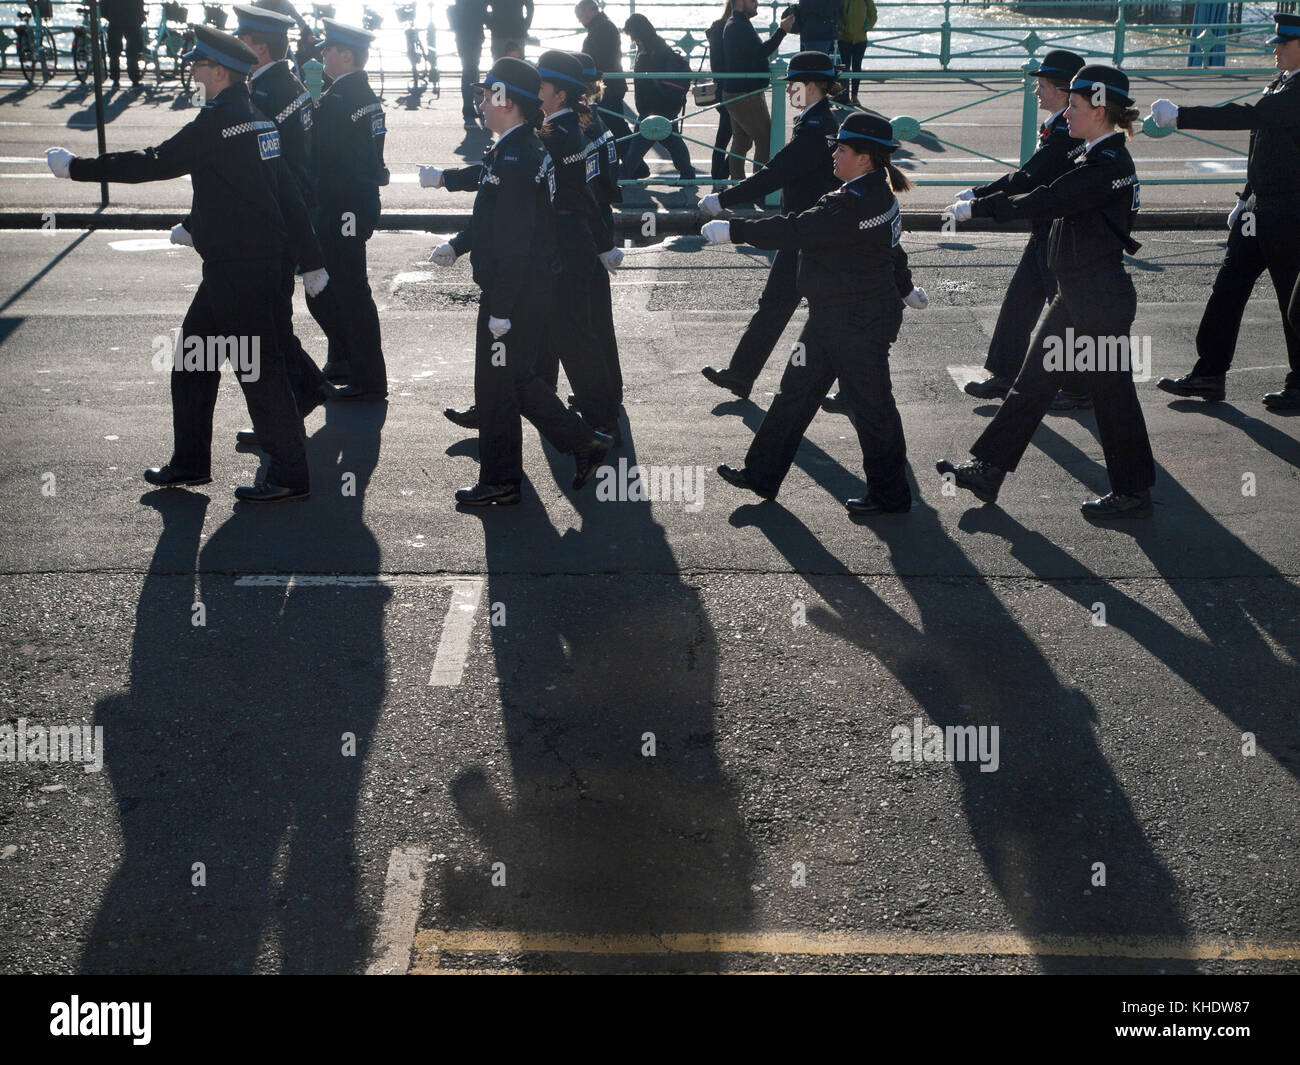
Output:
x,y
262,492
466,419
740,479
486,495
982,478
613,432
1114,505
870,504
167,477
1203,386
836,404
730,380
1064,400
360,395
589,458
337,374
247,438
992,388
1287,399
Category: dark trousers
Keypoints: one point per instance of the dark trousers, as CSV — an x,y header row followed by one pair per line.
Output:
x,y
851,56
719,167
615,117
346,312
470,49
851,343
305,377
602,324
134,37
1095,305
776,306
238,300
673,144
1273,248
506,387
1032,286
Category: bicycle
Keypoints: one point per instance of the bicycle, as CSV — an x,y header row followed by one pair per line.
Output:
x,y
169,43
36,45
83,55
424,63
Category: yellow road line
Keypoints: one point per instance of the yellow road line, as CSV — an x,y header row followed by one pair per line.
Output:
x,y
430,944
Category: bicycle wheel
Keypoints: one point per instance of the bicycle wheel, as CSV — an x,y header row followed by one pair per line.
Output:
x,y
81,58
49,54
27,59
185,75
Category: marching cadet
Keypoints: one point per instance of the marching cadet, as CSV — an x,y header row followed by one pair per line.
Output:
x,y
511,244
348,146
282,98
603,170
803,172
1262,227
1092,208
851,269
1032,285
246,209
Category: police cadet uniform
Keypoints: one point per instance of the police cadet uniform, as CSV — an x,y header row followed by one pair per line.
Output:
x,y
1032,284
282,98
511,244
348,149
583,245
1092,208
1262,229
851,268
246,210
603,171
802,171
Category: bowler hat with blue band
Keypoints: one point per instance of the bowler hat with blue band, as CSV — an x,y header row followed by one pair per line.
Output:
x,y
1059,65
520,80
867,126
806,66
341,36
1114,83
561,68
589,71
222,49
1288,28
260,20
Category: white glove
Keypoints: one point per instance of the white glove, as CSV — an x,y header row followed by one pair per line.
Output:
x,y
58,160
917,299
612,259
498,327
181,235
314,282
444,255
1164,113
966,194
959,210
710,205
430,177
1236,213
716,232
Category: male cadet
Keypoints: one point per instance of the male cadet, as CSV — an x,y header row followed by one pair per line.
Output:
x,y
1262,227
348,148
246,209
282,98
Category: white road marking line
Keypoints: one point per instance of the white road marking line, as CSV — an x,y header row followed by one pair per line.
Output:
x,y
963,375
453,647
403,892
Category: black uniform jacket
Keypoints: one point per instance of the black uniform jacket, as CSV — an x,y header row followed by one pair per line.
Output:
x,y
576,208
511,235
279,95
849,250
246,204
802,170
348,145
602,165
1092,207
1050,160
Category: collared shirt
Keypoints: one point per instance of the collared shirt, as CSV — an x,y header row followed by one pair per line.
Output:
x,y
265,67
556,114
1092,143
342,76
1050,121
508,132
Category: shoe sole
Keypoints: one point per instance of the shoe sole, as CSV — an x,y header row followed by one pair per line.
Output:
x,y
728,388
745,487
1140,512
500,501
189,482
276,499
992,394
1187,393
876,510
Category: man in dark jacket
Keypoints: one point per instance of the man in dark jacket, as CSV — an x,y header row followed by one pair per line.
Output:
x,y
605,46
509,21
125,22
467,18
751,123
815,21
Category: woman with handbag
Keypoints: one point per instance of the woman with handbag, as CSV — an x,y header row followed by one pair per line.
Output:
x,y
719,169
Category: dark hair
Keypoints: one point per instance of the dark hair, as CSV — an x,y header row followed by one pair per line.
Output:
x,y
1122,115
594,89
359,55
531,110
881,159
277,44
236,78
589,5
727,7
573,101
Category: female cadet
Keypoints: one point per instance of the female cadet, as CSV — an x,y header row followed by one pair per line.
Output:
x,y
851,269
583,246
1092,208
803,172
512,249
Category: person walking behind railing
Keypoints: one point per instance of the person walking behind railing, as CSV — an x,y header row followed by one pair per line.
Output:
x,y
125,23
719,168
605,46
816,21
745,53
466,18
856,18
509,22
657,96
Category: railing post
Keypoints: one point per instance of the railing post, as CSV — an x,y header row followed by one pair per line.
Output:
x,y
945,36
1029,114
1120,26
776,71
313,78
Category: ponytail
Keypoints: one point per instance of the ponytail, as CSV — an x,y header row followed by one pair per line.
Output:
x,y
881,159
